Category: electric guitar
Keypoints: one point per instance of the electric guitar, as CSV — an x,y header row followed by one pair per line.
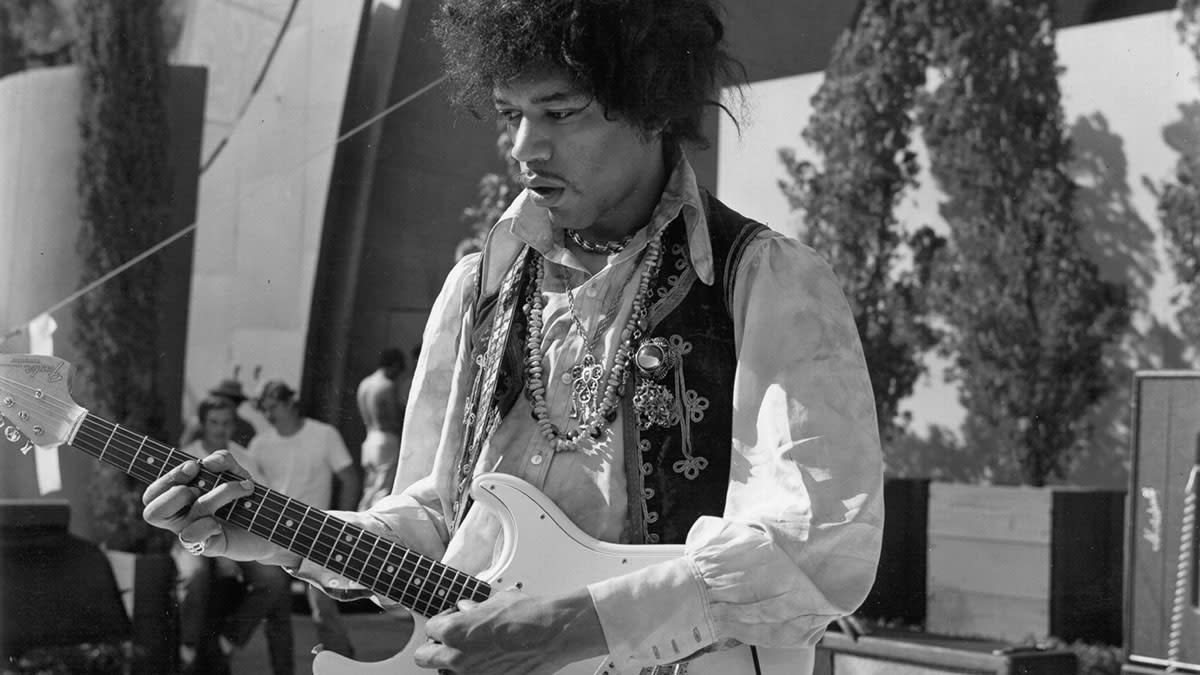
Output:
x,y
540,544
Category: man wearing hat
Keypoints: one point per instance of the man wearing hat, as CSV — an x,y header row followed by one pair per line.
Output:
x,y
243,431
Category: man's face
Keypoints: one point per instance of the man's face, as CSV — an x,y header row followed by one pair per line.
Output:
x,y
583,168
218,428
274,409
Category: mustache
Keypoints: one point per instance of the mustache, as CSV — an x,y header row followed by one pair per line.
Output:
x,y
531,175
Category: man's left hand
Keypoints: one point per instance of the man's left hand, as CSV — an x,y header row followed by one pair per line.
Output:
x,y
513,632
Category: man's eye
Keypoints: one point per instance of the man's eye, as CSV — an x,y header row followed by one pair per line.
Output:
x,y
559,114
509,115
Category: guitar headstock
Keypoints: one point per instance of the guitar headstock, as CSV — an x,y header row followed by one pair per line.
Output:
x,y
35,400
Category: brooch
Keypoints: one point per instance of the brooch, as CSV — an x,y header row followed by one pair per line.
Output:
x,y
655,358
653,403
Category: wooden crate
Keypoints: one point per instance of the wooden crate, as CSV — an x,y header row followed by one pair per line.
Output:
x,y
899,590
1019,562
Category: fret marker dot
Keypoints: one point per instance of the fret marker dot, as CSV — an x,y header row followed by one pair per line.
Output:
x,y
338,557
288,523
203,483
441,592
349,537
391,569
416,582
149,460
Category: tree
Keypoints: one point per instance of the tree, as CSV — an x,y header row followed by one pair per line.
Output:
x,y
1179,201
861,127
125,191
496,192
1032,322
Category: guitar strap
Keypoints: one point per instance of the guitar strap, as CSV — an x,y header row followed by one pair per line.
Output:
x,y
481,415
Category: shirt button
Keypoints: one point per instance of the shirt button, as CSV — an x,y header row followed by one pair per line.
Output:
x,y
566,378
535,460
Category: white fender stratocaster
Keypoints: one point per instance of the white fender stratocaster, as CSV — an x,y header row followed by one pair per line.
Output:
x,y
542,553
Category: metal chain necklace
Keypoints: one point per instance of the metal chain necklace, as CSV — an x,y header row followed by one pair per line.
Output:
x,y
602,247
587,373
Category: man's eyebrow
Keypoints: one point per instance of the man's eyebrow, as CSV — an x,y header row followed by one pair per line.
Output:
x,y
555,97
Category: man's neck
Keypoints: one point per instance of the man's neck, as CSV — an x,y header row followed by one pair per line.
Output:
x,y
289,427
638,206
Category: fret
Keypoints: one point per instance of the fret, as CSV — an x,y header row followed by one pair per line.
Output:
x,y
133,460
439,591
370,558
394,572
320,533
257,508
108,442
166,463
339,557
278,519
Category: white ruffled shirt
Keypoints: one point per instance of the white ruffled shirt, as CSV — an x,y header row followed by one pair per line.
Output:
x,y
798,543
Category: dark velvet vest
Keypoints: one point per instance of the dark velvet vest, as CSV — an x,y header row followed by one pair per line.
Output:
x,y
676,465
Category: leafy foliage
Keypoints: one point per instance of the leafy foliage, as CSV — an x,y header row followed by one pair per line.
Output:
x,y
861,127
124,188
35,34
1032,320
1179,200
496,192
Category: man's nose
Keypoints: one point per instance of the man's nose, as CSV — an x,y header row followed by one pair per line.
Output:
x,y
530,143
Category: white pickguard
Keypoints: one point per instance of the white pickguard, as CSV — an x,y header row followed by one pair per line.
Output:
x,y
544,553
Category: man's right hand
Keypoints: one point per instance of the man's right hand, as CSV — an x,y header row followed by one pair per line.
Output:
x,y
175,503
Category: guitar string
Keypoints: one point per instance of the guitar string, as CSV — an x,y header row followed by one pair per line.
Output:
x,y
124,451
320,544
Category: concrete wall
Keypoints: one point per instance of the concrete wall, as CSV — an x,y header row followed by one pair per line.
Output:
x,y
262,199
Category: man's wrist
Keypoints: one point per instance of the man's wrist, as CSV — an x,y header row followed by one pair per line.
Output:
x,y
580,633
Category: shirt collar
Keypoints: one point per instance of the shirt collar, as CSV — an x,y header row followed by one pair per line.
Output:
x,y
524,223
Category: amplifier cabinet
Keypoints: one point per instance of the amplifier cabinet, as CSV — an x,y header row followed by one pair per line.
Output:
x,y
1165,431
889,652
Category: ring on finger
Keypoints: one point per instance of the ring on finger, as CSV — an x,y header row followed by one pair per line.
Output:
x,y
193,547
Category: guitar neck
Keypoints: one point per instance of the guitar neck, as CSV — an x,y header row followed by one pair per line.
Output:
x,y
390,570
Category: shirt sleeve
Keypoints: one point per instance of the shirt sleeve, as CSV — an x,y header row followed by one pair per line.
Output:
x,y
799,540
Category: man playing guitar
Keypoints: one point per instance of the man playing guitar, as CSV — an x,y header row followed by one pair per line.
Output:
x,y
661,368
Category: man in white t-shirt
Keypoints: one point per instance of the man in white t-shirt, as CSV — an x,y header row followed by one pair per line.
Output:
x,y
303,458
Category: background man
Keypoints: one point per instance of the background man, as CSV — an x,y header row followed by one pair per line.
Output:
x,y
304,459
381,399
230,390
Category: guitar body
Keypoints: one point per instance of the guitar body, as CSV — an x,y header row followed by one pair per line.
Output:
x,y
543,553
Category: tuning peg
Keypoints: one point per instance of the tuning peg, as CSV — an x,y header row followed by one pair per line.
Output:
x,y
12,434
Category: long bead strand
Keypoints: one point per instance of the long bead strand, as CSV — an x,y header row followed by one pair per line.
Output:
x,y
614,383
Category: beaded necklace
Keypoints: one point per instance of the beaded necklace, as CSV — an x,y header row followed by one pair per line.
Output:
x,y
593,412
601,247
